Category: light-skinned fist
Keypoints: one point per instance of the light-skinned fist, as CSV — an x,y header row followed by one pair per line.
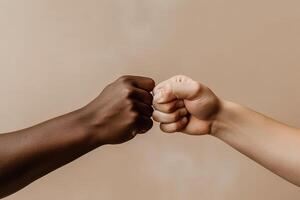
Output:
x,y
184,105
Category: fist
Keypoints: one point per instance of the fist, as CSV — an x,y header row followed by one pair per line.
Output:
x,y
122,110
184,105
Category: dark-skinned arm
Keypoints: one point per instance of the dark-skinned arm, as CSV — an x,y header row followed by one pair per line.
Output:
x,y
121,111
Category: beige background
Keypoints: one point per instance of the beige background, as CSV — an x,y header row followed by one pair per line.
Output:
x,y
57,55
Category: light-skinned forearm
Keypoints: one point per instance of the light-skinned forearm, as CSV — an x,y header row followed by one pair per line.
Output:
x,y
272,144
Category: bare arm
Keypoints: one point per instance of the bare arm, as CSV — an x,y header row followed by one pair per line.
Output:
x,y
29,154
274,145
121,111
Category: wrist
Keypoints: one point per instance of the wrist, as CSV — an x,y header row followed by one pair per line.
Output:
x,y
225,118
83,123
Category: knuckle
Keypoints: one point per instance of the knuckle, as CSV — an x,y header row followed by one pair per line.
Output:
x,y
127,92
150,96
134,116
175,127
129,104
124,79
150,124
162,127
158,107
147,110
156,119
180,78
151,110
148,100
155,116
151,82
169,108
175,116
168,89
166,129
147,124
198,87
155,112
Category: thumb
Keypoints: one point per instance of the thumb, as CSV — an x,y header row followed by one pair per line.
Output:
x,y
177,87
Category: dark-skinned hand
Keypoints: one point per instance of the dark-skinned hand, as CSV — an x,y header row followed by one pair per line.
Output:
x,y
122,110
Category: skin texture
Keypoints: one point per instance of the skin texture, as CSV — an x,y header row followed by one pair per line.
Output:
x,y
121,111
272,144
185,105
